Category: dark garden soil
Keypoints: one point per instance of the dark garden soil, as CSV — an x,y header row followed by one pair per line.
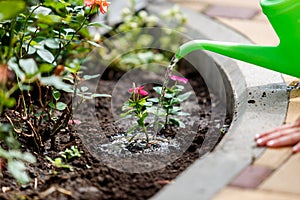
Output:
x,y
92,178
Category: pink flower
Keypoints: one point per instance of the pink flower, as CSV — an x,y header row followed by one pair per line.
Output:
x,y
74,121
138,90
179,79
103,4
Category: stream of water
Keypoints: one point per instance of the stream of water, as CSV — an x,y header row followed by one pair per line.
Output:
x,y
169,70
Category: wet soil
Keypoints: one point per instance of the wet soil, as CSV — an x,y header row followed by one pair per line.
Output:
x,y
94,179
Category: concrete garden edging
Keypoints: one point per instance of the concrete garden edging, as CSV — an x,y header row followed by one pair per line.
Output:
x,y
260,103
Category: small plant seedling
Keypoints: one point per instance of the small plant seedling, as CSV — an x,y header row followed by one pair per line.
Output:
x,y
66,157
71,153
59,163
171,99
140,106
136,107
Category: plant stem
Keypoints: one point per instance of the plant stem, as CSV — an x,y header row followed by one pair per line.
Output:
x,y
146,134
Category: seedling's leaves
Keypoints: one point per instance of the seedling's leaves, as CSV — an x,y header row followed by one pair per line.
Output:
x,y
184,96
179,87
175,109
141,120
127,113
177,122
133,128
174,101
169,95
154,100
156,111
148,104
157,89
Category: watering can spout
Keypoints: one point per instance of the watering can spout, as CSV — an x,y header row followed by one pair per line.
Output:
x,y
284,16
270,57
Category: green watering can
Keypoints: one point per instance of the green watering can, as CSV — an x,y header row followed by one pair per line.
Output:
x,y
284,15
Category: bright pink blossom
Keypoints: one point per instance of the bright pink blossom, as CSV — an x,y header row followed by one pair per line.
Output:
x,y
74,121
103,4
138,90
179,79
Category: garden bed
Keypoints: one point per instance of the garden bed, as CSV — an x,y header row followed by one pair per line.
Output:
x,y
94,179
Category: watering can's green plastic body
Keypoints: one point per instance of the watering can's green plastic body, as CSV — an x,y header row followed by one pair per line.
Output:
x,y
284,16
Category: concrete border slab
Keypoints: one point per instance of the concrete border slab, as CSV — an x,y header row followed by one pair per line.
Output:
x,y
260,103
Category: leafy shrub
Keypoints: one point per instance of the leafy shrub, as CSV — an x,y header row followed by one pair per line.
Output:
x,y
136,29
15,158
43,44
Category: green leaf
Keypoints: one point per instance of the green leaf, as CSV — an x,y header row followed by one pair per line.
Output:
x,y
154,100
24,87
49,19
100,95
52,105
56,95
29,66
174,101
28,157
157,89
46,55
94,43
182,114
52,43
169,95
175,109
10,8
61,106
184,96
56,82
69,30
148,104
177,122
88,77
41,10
84,88
156,111
29,49
180,87
12,63
9,102
17,170
99,24
45,68
132,129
